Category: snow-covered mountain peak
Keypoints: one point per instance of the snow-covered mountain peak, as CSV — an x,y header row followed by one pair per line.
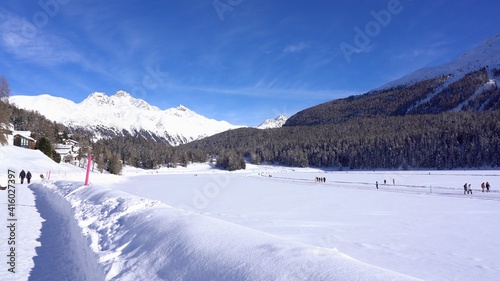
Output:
x,y
277,122
122,112
181,107
120,99
122,94
487,53
98,99
125,99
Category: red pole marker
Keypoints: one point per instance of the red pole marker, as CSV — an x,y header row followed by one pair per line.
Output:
x,y
89,164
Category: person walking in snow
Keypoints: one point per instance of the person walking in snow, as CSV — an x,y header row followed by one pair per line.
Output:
x,y
22,175
482,186
487,187
376,184
469,189
28,177
465,188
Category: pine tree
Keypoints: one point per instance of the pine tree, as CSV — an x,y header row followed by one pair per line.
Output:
x,y
115,165
44,146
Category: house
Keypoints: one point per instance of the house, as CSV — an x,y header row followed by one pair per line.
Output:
x,y
68,150
74,143
22,139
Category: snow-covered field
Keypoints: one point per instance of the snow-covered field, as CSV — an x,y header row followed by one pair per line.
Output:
x,y
264,223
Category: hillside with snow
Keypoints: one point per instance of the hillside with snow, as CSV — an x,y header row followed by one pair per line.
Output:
x,y
486,55
471,82
123,114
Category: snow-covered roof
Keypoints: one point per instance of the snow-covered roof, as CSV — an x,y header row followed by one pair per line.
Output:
x,y
63,151
24,134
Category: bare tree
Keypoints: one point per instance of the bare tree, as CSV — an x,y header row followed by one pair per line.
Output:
x,y
4,109
4,88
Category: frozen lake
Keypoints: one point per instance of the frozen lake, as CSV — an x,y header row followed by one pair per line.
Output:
x,y
419,223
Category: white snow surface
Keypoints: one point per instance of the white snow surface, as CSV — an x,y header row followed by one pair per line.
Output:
x,y
264,223
120,112
487,54
277,122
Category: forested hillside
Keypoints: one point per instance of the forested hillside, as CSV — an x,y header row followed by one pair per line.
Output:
x,y
445,141
473,92
28,120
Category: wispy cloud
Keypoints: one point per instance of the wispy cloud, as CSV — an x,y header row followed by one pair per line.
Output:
x,y
427,51
296,48
267,89
26,42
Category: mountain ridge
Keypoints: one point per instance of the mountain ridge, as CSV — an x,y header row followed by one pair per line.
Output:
x,y
121,114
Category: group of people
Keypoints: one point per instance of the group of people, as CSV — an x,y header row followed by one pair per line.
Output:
x,y
23,175
487,186
468,188
385,182
320,179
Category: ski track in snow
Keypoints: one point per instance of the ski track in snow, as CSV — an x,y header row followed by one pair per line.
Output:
x,y
398,188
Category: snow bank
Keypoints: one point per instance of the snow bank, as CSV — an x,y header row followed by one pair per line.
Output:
x,y
64,254
28,222
142,239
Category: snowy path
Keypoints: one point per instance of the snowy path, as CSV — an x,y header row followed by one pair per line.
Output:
x,y
64,253
27,231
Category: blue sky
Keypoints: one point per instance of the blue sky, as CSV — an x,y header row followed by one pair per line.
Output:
x,y
236,60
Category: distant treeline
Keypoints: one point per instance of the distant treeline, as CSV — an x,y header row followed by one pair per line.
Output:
x,y
140,152
464,139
